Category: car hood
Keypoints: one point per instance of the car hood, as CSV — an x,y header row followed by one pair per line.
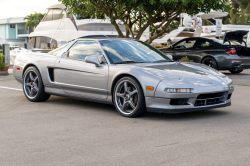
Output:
x,y
196,74
234,36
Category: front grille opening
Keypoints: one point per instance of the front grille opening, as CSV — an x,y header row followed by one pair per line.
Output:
x,y
210,99
210,95
179,101
229,96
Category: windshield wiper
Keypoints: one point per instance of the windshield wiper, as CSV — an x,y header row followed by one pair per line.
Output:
x,y
126,62
161,61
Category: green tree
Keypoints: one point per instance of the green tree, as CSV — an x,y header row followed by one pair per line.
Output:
x,y
33,19
157,14
240,12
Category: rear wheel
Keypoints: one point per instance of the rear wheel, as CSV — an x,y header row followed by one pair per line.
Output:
x,y
235,71
209,61
33,87
128,97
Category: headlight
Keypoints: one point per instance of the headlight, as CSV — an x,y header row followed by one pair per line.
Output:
x,y
230,86
179,90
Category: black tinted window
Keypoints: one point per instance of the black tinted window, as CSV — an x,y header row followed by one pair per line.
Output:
x,y
82,49
204,44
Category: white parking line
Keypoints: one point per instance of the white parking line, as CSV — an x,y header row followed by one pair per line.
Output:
x,y
10,88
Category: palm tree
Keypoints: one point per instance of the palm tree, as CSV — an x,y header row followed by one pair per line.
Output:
x,y
33,19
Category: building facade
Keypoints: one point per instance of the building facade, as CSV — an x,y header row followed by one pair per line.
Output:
x,y
13,32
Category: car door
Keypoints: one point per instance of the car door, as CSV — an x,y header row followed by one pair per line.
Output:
x,y
204,47
81,79
184,48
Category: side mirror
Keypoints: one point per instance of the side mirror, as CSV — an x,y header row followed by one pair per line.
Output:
x,y
94,60
170,56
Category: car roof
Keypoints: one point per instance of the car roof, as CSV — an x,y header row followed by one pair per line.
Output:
x,y
104,38
197,38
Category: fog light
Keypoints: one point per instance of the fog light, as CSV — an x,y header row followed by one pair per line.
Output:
x,y
179,90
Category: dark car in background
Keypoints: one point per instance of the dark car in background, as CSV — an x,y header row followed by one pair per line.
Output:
x,y
227,54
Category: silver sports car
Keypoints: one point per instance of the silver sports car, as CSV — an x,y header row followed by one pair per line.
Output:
x,y
130,74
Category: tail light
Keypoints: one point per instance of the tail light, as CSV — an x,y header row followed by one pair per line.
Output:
x,y
231,51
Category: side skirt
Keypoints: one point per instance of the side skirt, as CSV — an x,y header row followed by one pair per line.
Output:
x,y
60,92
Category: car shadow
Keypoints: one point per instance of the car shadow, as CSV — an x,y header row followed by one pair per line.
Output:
x,y
82,104
240,74
234,74
110,109
196,115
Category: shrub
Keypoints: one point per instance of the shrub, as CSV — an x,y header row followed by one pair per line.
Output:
x,y
160,46
185,59
2,64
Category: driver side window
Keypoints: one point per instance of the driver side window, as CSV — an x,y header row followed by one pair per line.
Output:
x,y
204,44
186,44
81,49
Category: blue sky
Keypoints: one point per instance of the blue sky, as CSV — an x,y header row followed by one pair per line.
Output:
x,y
21,8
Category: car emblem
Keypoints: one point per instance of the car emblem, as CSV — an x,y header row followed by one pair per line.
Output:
x,y
127,97
210,82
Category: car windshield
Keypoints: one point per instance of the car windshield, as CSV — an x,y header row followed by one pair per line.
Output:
x,y
132,51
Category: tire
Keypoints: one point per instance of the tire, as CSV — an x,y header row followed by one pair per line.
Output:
x,y
130,102
211,62
235,71
33,87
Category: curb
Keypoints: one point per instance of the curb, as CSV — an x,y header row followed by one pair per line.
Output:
x,y
4,73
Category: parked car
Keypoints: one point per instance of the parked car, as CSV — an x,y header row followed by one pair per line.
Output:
x,y
227,54
130,74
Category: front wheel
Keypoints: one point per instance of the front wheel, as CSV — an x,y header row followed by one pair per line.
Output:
x,y
235,71
209,61
128,97
33,87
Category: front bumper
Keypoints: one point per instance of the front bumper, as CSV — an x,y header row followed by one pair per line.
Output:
x,y
182,110
194,103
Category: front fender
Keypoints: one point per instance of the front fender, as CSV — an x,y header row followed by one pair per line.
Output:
x,y
145,78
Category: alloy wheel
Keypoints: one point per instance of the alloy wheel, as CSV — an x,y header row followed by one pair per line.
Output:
x,y
210,62
31,86
126,97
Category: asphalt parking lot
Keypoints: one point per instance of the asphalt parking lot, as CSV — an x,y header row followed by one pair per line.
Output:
x,y
65,131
